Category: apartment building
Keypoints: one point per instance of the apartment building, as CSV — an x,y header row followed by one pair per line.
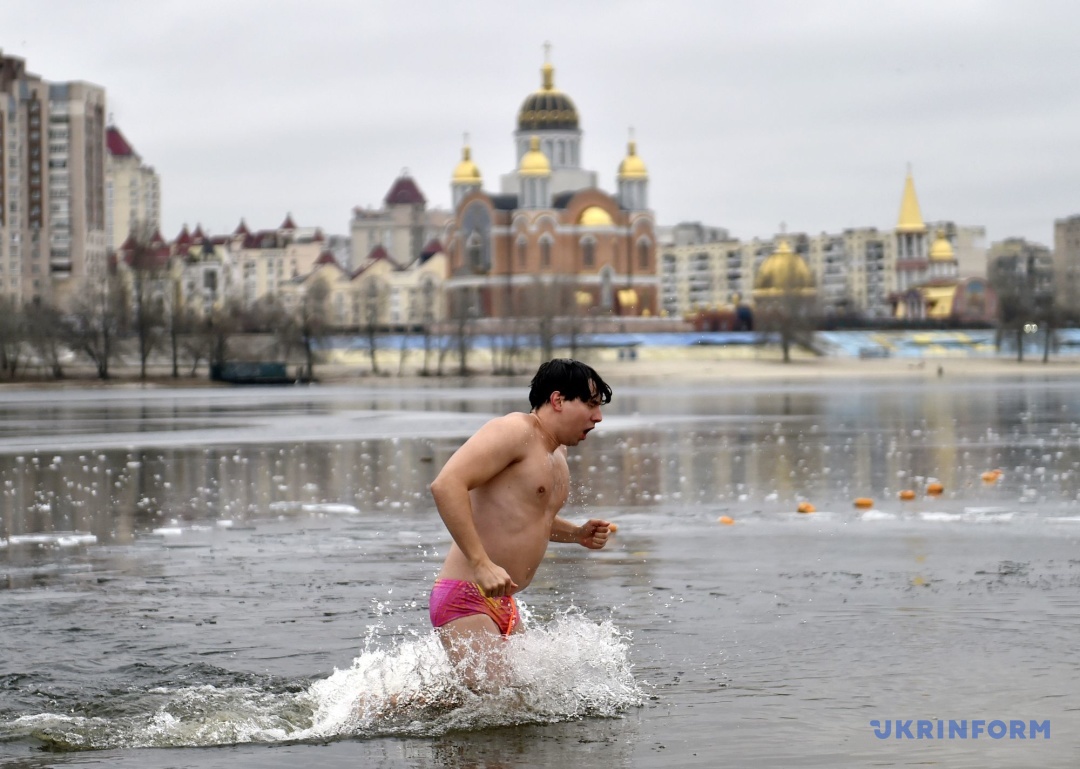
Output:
x,y
132,191
52,185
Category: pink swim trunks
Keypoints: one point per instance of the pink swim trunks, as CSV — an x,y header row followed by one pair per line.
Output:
x,y
453,599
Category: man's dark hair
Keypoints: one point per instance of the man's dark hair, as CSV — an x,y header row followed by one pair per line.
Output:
x,y
569,377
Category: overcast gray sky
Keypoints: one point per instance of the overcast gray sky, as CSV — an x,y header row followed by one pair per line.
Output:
x,y
748,114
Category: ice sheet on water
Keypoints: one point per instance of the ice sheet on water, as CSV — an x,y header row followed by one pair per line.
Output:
x,y
330,508
568,668
53,539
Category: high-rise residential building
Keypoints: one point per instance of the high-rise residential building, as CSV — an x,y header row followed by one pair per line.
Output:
x,y
1067,264
1023,271
52,184
132,191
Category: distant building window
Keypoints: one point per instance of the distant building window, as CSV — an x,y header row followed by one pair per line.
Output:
x,y
522,252
545,253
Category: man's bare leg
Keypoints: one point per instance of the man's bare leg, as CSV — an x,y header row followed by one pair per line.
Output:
x,y
475,647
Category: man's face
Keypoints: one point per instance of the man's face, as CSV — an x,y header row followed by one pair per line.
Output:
x,y
581,417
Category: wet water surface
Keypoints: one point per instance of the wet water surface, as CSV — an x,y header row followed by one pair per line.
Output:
x,y
239,578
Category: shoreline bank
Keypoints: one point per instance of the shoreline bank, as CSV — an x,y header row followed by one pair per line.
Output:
x,y
651,366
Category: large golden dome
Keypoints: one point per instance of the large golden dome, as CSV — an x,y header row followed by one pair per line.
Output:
x,y
547,108
784,272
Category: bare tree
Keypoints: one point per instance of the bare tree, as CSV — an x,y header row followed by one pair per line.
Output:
x,y
373,300
148,261
424,313
45,334
12,337
463,311
95,321
311,323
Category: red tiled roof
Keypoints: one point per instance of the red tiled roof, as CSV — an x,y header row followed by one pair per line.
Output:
x,y
378,253
404,191
117,144
198,236
184,238
241,229
288,223
326,258
262,239
433,247
155,255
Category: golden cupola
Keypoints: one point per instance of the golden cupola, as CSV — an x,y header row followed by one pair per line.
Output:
x,y
547,108
942,250
467,172
534,162
632,166
910,216
783,273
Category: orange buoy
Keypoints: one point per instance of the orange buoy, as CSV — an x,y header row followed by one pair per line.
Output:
x,y
907,495
864,502
991,476
727,520
805,507
935,488
613,527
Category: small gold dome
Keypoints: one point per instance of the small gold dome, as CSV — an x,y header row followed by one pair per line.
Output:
x,y
632,166
942,250
534,162
783,272
594,216
466,171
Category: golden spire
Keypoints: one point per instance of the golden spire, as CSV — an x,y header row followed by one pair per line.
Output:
x,y
466,171
910,216
547,70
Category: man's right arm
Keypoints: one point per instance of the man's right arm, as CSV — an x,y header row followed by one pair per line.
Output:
x,y
493,448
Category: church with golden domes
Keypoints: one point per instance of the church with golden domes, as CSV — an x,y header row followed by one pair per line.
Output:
x,y
928,279
550,242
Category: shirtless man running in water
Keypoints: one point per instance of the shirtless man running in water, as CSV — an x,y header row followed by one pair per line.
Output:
x,y
499,496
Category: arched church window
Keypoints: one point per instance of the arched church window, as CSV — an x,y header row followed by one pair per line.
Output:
x,y
545,252
588,252
522,252
475,253
643,255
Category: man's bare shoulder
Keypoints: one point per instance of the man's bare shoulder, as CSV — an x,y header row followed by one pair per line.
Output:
x,y
509,433
517,426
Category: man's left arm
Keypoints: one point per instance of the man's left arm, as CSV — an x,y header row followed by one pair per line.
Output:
x,y
592,534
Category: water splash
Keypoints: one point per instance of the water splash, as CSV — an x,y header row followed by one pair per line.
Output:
x,y
565,669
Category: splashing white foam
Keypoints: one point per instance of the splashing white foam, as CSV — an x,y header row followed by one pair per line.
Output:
x,y
565,669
